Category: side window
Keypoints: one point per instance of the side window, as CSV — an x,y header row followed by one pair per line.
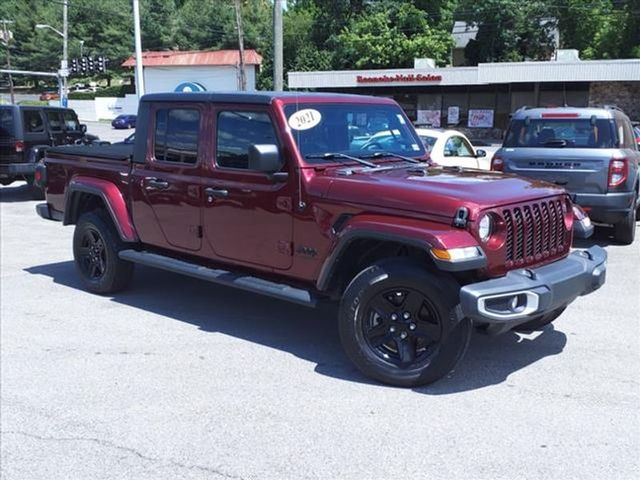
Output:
x,y
55,122
236,131
70,121
176,135
33,121
464,148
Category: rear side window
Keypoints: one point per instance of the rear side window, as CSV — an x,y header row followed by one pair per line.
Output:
x,y
567,133
6,122
33,121
236,131
55,122
176,135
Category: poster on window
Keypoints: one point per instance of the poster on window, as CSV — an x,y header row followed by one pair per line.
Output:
x,y
453,115
428,117
481,118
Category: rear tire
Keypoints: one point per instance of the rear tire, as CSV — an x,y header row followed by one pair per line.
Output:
x,y
399,324
625,231
95,249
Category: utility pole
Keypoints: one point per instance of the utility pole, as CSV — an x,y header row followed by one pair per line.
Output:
x,y
277,45
243,80
138,41
6,37
65,52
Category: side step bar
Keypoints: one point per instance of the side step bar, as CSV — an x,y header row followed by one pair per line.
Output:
x,y
222,277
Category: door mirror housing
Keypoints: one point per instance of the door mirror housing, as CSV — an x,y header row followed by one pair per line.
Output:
x,y
265,158
481,153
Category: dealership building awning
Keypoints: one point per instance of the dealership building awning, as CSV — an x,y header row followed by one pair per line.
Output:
x,y
483,74
494,88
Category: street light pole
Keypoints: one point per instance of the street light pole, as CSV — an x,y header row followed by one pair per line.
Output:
x,y
65,52
138,42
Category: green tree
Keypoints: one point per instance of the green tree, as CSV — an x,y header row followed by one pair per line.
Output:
x,y
158,23
509,30
390,35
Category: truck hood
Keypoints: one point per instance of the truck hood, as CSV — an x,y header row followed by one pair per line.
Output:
x,y
437,191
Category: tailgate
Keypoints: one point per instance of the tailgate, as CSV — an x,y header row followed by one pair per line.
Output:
x,y
579,170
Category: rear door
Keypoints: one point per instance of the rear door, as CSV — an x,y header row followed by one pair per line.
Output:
x,y
458,152
166,189
571,152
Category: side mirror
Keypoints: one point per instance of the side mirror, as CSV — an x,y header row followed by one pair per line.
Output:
x,y
83,128
481,153
265,158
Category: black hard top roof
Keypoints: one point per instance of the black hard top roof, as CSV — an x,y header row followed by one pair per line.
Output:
x,y
261,97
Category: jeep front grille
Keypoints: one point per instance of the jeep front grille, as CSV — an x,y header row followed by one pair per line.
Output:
x,y
533,232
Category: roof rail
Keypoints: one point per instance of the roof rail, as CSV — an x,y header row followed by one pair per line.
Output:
x,y
608,107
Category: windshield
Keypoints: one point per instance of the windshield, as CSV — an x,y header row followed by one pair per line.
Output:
x,y
354,129
568,133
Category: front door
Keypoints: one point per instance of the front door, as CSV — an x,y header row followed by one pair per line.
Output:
x,y
247,214
167,200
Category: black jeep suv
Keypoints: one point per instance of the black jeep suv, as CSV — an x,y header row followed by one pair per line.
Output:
x,y
26,132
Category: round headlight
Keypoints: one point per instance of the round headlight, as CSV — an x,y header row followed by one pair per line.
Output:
x,y
485,225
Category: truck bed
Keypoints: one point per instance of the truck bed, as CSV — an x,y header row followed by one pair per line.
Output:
x,y
108,152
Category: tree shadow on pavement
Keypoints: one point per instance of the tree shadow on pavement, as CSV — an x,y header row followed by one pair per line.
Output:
x,y
311,334
17,193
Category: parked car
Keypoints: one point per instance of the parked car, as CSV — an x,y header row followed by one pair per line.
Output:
x,y
453,148
490,147
124,121
46,96
592,152
262,191
26,132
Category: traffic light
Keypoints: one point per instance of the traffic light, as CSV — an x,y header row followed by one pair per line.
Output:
x,y
84,66
92,65
102,64
74,66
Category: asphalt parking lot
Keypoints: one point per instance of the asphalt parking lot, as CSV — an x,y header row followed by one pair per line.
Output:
x,y
178,378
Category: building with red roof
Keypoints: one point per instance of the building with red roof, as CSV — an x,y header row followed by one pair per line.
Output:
x,y
219,70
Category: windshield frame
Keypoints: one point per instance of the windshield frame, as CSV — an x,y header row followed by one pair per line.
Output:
x,y
312,103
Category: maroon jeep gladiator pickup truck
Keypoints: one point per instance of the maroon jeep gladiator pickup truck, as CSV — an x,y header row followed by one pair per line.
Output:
x,y
292,195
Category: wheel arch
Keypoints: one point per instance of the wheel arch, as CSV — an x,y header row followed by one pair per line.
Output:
x,y
87,194
367,240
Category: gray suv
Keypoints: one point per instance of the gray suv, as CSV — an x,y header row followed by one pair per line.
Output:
x,y
592,152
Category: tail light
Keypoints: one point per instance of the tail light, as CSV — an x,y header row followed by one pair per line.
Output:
x,y
19,146
618,171
497,163
40,175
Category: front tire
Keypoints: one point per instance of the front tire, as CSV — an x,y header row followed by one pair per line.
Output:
x,y
95,250
398,324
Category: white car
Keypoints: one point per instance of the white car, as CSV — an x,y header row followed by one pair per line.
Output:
x,y
453,148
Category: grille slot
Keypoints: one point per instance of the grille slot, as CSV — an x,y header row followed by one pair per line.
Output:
x,y
533,231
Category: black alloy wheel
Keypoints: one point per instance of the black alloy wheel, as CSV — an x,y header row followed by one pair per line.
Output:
x,y
92,255
400,323
96,244
402,327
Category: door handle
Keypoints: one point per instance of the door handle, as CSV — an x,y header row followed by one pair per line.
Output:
x,y
216,192
155,184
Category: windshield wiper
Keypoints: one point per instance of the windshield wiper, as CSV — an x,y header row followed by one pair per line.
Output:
x,y
389,154
338,155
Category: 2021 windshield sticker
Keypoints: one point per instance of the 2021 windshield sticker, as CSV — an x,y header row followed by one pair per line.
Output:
x,y
305,119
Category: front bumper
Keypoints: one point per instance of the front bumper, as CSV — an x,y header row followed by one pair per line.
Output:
x,y
524,294
11,170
